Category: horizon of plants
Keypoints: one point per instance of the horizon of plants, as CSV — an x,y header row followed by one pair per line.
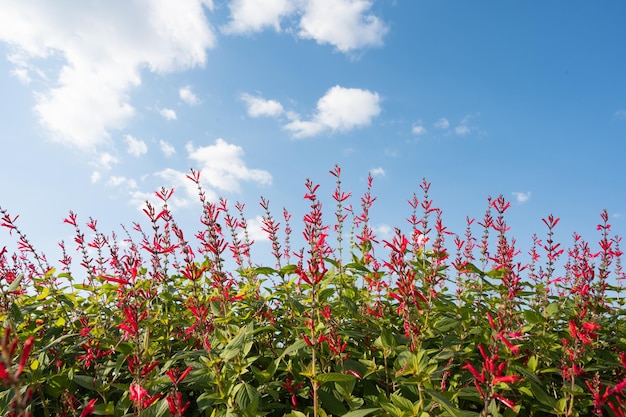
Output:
x,y
164,321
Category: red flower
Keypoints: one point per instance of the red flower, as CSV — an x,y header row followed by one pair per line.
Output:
x,y
175,404
89,408
140,396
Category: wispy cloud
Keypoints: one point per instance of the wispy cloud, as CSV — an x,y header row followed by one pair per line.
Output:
x,y
340,109
258,106
621,114
521,197
101,60
105,161
442,123
166,148
188,96
462,130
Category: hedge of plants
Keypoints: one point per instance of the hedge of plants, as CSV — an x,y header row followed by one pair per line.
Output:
x,y
161,321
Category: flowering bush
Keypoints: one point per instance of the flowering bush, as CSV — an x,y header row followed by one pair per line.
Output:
x,y
424,323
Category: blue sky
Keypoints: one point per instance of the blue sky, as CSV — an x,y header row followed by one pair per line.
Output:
x,y
104,102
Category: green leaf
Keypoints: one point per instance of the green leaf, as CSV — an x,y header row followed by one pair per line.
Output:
x,y
247,397
357,266
401,402
87,382
334,377
296,346
288,269
331,404
43,294
234,347
265,270
542,396
446,404
532,317
107,409
552,309
16,283
360,413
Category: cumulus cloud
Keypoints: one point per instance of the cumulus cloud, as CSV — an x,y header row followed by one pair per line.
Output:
x,y
255,229
135,147
418,130
521,197
188,96
101,47
258,106
340,109
168,114
345,24
223,167
166,148
377,172
247,16
383,231
106,161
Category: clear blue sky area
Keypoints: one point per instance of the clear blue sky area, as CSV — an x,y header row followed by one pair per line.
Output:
x,y
104,102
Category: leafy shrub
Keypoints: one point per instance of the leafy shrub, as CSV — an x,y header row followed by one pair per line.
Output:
x,y
158,323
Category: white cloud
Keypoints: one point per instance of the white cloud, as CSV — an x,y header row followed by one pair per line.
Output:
x,y
223,168
383,231
442,123
462,130
340,109
377,172
168,114
621,114
521,197
345,24
418,130
249,16
255,229
101,49
105,161
188,96
135,147
166,148
116,181
95,177
258,106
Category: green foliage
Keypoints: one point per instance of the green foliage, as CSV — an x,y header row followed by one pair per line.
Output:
x,y
168,327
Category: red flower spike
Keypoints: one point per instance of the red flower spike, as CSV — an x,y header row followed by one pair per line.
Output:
x,y
505,401
28,345
89,408
507,379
